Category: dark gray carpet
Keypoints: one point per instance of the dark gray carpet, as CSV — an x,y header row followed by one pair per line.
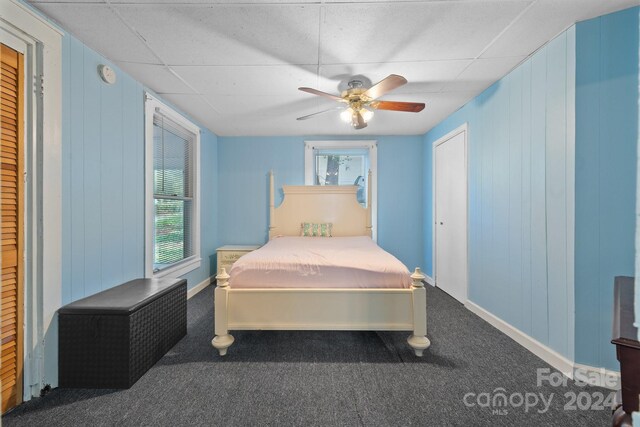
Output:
x,y
323,379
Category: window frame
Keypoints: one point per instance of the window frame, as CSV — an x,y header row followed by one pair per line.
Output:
x,y
153,106
370,145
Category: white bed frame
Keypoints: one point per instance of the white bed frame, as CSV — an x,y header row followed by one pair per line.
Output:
x,y
357,309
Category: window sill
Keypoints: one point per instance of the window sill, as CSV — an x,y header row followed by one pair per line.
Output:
x,y
179,269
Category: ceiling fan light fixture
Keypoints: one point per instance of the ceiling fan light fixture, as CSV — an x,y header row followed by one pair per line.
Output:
x,y
346,115
357,98
366,114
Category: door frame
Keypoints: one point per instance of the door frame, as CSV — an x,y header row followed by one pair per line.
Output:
x,y
464,128
43,191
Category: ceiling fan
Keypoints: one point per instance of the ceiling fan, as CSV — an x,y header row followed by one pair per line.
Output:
x,y
362,101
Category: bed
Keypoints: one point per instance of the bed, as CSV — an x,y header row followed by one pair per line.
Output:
x,y
344,282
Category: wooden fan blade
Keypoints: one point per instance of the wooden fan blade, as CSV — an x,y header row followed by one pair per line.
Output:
x,y
410,107
385,85
308,116
320,93
357,121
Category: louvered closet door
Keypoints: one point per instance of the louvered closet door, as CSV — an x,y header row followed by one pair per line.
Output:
x,y
11,214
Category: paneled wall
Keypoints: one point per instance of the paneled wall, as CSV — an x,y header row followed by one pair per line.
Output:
x,y
244,164
520,160
103,179
103,187
606,152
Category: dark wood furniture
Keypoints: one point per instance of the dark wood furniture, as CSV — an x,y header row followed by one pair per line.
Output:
x,y
110,339
625,338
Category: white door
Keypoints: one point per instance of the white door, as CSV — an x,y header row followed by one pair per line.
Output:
x,y
451,216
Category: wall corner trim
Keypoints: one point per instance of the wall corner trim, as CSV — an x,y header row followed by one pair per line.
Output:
x,y
429,280
199,287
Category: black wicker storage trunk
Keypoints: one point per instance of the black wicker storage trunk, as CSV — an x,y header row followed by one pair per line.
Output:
x,y
110,339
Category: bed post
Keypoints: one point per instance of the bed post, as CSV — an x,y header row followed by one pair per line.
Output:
x,y
272,207
369,209
222,341
418,341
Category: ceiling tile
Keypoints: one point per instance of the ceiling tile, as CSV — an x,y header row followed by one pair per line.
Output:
x,y
249,58
267,115
441,105
222,2
406,1
356,33
424,76
228,35
247,80
544,20
330,124
281,125
200,110
67,1
156,77
482,73
291,106
100,28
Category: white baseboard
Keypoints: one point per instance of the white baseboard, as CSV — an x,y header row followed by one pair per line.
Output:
x,y
200,286
588,374
550,356
429,280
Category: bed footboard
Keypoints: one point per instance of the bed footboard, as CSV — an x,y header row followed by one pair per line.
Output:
x,y
363,309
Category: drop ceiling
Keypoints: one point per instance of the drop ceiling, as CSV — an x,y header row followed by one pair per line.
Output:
x,y
236,66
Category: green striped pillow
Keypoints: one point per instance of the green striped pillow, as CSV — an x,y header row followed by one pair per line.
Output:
x,y
311,229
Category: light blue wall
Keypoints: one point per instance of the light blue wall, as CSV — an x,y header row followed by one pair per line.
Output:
x,y
606,147
244,163
520,131
103,179
637,288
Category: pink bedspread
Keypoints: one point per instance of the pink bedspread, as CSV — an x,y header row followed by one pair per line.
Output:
x,y
319,262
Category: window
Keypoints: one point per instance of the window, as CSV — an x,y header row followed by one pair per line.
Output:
x,y
344,163
343,167
172,192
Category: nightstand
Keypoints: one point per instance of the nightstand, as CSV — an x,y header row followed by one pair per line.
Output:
x,y
229,254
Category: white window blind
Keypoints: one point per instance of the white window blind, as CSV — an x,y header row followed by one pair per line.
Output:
x,y
172,192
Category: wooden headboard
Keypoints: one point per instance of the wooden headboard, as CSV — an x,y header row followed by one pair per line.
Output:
x,y
337,204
